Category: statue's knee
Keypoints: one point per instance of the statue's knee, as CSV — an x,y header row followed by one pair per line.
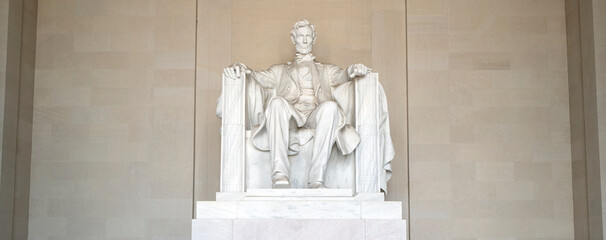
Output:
x,y
277,103
330,109
330,106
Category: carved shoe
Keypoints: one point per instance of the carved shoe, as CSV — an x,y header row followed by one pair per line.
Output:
x,y
280,180
316,185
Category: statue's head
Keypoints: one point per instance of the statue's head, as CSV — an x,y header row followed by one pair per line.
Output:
x,y
303,36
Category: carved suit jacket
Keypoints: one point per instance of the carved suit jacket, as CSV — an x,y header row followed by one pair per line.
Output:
x,y
282,80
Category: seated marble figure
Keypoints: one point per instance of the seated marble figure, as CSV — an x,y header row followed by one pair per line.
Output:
x,y
299,103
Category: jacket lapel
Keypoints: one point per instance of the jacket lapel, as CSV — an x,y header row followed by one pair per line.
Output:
x,y
315,76
294,75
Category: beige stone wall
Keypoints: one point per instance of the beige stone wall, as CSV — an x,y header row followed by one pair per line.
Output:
x,y
489,120
257,33
114,120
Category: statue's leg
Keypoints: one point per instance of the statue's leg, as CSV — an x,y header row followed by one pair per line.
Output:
x,y
277,124
325,119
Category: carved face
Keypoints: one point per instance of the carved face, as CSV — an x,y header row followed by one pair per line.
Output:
x,y
304,40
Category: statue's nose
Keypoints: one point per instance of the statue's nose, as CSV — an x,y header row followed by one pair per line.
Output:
x,y
305,40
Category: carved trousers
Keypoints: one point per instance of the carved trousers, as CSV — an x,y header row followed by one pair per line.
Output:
x,y
324,119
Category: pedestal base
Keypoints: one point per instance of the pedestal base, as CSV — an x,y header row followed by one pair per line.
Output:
x,y
282,229
299,210
299,214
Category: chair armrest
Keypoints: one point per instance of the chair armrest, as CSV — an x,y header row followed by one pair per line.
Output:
x,y
368,166
233,133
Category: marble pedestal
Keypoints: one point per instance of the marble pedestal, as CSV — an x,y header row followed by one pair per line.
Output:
x,y
299,214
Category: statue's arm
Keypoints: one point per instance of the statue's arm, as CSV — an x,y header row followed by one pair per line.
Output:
x,y
337,75
266,78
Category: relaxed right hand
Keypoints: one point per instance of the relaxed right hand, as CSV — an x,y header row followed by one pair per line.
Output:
x,y
235,70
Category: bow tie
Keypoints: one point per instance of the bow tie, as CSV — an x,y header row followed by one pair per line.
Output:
x,y
304,57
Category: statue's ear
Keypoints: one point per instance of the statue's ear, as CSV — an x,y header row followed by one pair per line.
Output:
x,y
292,38
314,40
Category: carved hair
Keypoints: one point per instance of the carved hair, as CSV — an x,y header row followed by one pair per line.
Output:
x,y
302,23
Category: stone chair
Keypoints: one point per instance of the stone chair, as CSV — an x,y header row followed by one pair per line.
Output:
x,y
367,169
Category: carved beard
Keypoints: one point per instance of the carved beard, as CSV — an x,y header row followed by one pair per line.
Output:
x,y
303,49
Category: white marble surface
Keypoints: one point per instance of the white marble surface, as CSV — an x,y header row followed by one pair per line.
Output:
x,y
229,196
299,229
296,209
299,209
360,197
325,199
212,209
381,210
385,229
299,193
233,140
215,229
303,196
316,229
339,172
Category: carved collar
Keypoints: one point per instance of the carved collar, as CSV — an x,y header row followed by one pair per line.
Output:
x,y
304,57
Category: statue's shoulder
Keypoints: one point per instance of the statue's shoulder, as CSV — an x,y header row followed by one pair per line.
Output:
x,y
279,66
323,64
326,66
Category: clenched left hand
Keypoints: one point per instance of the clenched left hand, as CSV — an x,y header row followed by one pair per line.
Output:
x,y
357,70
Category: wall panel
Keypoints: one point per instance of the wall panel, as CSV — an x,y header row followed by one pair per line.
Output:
x,y
113,124
489,120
